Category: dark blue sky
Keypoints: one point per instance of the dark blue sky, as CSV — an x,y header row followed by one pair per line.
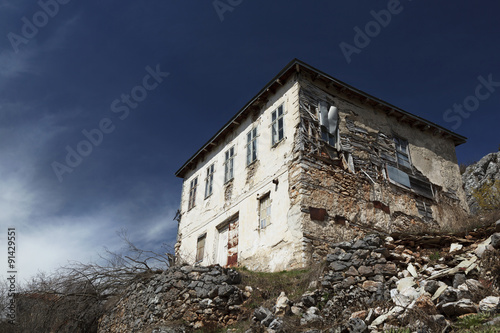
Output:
x,y
61,72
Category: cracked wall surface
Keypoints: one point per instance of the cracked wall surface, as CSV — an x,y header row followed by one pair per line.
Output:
x,y
350,181
337,174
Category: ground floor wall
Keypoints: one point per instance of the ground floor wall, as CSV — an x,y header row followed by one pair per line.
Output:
x,y
338,205
236,237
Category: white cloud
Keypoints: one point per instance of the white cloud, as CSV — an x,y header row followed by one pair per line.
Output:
x,y
47,238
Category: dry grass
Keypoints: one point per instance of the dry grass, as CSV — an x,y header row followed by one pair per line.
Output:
x,y
466,224
268,286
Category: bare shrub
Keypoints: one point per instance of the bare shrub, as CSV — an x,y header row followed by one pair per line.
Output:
x,y
74,298
490,270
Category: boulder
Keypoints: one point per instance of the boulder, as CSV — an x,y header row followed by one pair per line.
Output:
x,y
356,325
495,240
261,313
311,317
461,307
282,305
490,304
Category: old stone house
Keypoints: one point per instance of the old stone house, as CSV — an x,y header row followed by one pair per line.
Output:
x,y
307,161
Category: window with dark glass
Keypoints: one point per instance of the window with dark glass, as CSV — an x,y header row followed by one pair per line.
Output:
x,y
209,181
402,153
277,125
192,192
252,146
228,164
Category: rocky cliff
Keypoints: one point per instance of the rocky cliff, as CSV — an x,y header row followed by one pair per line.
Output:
x,y
482,183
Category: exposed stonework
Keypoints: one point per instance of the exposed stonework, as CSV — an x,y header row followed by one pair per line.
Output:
x,y
343,162
182,298
483,173
371,285
349,182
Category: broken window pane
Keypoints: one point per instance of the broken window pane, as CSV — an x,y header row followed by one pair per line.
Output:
x,y
421,187
328,119
424,210
398,176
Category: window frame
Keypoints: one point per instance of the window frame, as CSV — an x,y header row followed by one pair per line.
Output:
x,y
251,146
192,193
209,181
402,155
276,117
201,240
264,199
229,165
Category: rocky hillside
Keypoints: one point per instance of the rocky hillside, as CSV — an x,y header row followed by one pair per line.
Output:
x,y
374,284
482,183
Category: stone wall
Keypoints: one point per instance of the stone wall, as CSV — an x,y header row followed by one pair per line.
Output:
x,y
372,285
179,298
344,189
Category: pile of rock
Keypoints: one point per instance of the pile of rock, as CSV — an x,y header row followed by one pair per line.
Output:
x,y
372,285
191,296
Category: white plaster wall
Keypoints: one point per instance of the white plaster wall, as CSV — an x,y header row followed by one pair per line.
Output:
x,y
273,245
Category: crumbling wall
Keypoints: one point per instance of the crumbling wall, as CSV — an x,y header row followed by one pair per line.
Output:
x,y
180,298
345,188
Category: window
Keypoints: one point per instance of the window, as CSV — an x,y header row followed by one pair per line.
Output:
x,y
277,126
209,182
419,186
424,210
329,122
192,193
402,155
252,146
398,176
228,165
200,247
264,211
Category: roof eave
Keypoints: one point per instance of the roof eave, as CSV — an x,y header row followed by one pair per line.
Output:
x,y
295,65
